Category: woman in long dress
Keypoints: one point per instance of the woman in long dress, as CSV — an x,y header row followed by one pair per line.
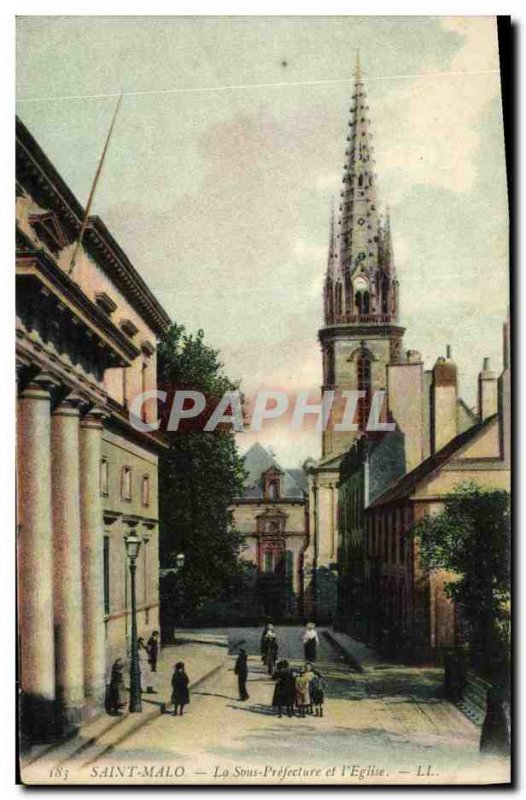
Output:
x,y
117,697
310,642
285,687
144,667
180,692
270,649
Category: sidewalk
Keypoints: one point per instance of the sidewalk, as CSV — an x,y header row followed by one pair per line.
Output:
x,y
358,655
202,656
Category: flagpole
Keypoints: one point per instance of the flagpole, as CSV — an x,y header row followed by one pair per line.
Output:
x,y
92,192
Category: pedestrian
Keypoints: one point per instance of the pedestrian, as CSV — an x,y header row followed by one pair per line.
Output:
x,y
117,691
270,649
241,670
317,689
309,675
302,692
153,650
144,667
283,697
262,644
495,735
310,642
180,693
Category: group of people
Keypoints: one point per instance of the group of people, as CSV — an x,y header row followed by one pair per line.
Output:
x,y
270,648
297,688
147,658
302,688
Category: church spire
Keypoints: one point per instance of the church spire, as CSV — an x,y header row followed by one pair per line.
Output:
x,y
333,249
359,215
361,263
388,256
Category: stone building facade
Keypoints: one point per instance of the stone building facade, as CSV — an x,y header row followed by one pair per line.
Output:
x,y
398,595
362,350
86,478
272,515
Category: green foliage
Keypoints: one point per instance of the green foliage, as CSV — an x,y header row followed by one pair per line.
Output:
x,y
198,480
471,537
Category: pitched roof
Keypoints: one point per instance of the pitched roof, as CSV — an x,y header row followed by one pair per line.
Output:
x,y
257,460
407,484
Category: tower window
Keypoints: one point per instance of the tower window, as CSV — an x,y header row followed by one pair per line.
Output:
x,y
364,384
330,376
362,302
339,299
385,296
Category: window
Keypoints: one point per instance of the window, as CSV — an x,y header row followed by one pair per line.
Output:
x,y
362,302
104,478
364,384
331,375
145,490
106,575
385,296
267,561
339,300
126,489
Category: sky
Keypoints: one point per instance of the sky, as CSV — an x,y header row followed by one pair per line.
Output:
x,y
229,147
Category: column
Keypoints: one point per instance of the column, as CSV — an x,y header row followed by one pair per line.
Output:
x,y
92,547
67,566
35,563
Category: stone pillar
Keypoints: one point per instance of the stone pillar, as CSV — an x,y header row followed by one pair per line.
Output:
x,y
67,567
92,546
35,563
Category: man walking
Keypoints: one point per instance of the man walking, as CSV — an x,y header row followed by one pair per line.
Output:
x,y
241,670
152,649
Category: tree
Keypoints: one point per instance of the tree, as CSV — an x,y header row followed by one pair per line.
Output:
x,y
198,479
471,537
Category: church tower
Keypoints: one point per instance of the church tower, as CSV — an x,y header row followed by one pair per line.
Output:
x,y
361,334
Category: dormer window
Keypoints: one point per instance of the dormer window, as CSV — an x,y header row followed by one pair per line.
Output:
x,y
272,484
49,231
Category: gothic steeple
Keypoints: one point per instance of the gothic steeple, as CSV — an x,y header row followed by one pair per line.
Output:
x,y
364,291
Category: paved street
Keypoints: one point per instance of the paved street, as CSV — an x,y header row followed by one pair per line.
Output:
x,y
387,724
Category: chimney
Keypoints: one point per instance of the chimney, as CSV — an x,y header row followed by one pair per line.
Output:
x,y
488,394
444,399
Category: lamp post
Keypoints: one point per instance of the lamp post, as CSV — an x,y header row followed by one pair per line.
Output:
x,y
133,544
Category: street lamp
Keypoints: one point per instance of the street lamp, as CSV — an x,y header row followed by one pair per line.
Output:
x,y
179,560
133,544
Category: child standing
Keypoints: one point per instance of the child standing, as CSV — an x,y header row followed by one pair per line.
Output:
x,y
317,689
180,693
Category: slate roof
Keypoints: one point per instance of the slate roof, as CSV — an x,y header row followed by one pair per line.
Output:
x,y
406,485
257,460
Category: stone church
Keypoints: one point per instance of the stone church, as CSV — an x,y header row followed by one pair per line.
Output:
x,y
362,350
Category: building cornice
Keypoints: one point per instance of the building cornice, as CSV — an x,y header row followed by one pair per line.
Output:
x,y
32,264
31,160
363,330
